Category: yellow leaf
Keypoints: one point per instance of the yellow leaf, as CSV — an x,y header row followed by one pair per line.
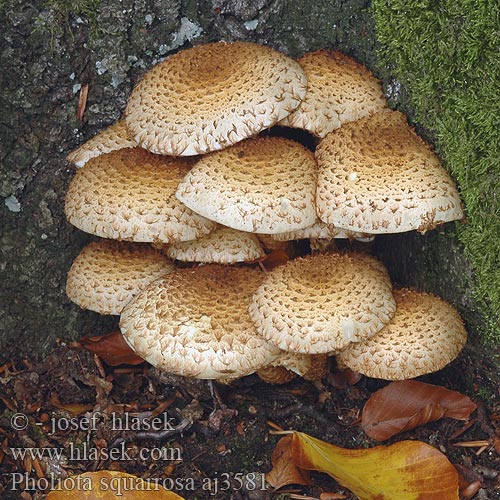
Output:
x,y
408,470
109,485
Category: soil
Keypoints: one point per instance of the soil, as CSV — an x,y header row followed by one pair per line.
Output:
x,y
210,441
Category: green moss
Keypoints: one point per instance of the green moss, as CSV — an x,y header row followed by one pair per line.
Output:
x,y
445,54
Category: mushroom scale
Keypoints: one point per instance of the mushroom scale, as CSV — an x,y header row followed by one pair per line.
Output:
x,y
193,323
425,334
107,274
211,96
130,195
321,303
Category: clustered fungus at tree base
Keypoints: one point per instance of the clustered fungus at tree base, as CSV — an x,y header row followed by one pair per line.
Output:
x,y
186,176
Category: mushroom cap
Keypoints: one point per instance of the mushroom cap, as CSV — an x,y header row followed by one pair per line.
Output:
x,y
211,96
193,322
263,185
223,246
130,195
275,375
320,303
107,274
319,230
377,176
339,90
114,137
309,366
425,334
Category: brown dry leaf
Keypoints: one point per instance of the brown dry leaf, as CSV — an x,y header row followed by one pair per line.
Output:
x,y
409,470
284,472
274,259
404,405
109,485
73,408
343,378
111,348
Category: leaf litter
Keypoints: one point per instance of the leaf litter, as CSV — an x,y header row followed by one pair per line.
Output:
x,y
223,442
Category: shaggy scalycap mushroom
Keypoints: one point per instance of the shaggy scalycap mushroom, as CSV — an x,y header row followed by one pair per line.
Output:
x,y
321,303
194,323
107,274
114,137
130,195
308,366
262,185
222,246
377,176
275,375
339,90
212,96
425,334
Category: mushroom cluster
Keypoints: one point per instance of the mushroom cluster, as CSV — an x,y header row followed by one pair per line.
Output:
x,y
187,177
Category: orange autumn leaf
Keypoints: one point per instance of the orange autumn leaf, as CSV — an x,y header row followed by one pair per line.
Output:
x,y
73,408
274,259
404,405
284,471
109,485
409,470
111,348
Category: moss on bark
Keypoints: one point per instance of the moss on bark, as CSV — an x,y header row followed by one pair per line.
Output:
x,y
445,55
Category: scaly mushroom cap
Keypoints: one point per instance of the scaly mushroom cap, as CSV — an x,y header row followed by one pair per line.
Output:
x,y
194,323
262,185
319,230
223,246
107,274
321,303
114,137
212,96
339,90
309,366
425,335
377,176
130,195
275,375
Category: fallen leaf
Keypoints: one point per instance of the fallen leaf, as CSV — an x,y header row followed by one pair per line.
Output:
x,y
109,485
284,472
274,259
343,378
73,408
404,405
409,470
111,348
